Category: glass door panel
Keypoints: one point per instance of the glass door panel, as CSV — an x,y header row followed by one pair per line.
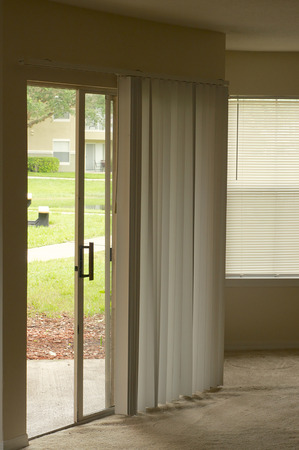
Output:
x,y
51,234
94,250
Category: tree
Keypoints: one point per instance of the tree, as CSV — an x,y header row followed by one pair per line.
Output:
x,y
44,103
95,109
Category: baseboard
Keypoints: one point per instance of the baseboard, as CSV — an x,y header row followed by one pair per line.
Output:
x,y
235,346
15,443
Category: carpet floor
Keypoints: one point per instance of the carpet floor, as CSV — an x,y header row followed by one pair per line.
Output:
x,y
257,408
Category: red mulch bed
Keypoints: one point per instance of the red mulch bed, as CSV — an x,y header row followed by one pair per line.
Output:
x,y
53,338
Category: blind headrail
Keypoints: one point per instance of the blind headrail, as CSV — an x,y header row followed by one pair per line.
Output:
x,y
49,63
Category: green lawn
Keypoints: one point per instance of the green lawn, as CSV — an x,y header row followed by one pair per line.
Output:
x,y
62,228
65,175
51,287
51,283
59,196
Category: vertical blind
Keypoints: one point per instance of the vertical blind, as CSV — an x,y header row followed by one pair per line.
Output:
x,y
183,193
263,188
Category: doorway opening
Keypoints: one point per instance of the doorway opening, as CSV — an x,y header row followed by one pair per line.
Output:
x,y
70,303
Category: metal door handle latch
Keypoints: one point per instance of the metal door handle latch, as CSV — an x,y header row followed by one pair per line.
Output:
x,y
91,261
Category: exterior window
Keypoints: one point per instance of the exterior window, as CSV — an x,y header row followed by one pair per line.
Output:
x,y
61,150
64,117
97,125
263,189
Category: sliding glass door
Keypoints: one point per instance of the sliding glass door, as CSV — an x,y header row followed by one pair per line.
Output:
x,y
93,379
70,357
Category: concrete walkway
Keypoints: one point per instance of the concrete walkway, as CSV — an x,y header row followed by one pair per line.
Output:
x,y
50,393
65,250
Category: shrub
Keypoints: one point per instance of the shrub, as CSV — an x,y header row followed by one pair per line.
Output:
x,y
43,164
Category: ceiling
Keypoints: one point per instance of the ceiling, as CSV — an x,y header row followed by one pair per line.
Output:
x,y
254,25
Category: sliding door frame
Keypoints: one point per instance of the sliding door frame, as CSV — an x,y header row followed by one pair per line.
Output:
x,y
110,96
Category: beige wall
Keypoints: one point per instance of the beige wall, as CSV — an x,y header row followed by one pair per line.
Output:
x,y
262,316
36,29
40,139
263,73
41,29
40,136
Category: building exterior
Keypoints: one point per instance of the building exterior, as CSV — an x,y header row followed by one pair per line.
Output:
x,y
56,137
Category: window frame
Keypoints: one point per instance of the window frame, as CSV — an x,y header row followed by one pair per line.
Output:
x,y
256,280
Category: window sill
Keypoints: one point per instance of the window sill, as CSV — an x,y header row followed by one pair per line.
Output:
x,y
261,282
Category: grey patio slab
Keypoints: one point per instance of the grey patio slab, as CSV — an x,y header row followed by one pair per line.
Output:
x,y
50,393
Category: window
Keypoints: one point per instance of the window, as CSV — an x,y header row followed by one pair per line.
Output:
x,y
263,189
62,117
98,124
61,150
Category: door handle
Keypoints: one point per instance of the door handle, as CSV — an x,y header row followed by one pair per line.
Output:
x,y
91,261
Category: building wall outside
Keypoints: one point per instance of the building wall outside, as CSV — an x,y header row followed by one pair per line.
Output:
x,y
41,137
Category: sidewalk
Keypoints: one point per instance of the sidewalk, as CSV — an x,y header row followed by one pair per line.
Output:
x,y
65,250
50,392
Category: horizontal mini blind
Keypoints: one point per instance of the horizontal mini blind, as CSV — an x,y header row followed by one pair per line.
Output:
x,y
263,188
